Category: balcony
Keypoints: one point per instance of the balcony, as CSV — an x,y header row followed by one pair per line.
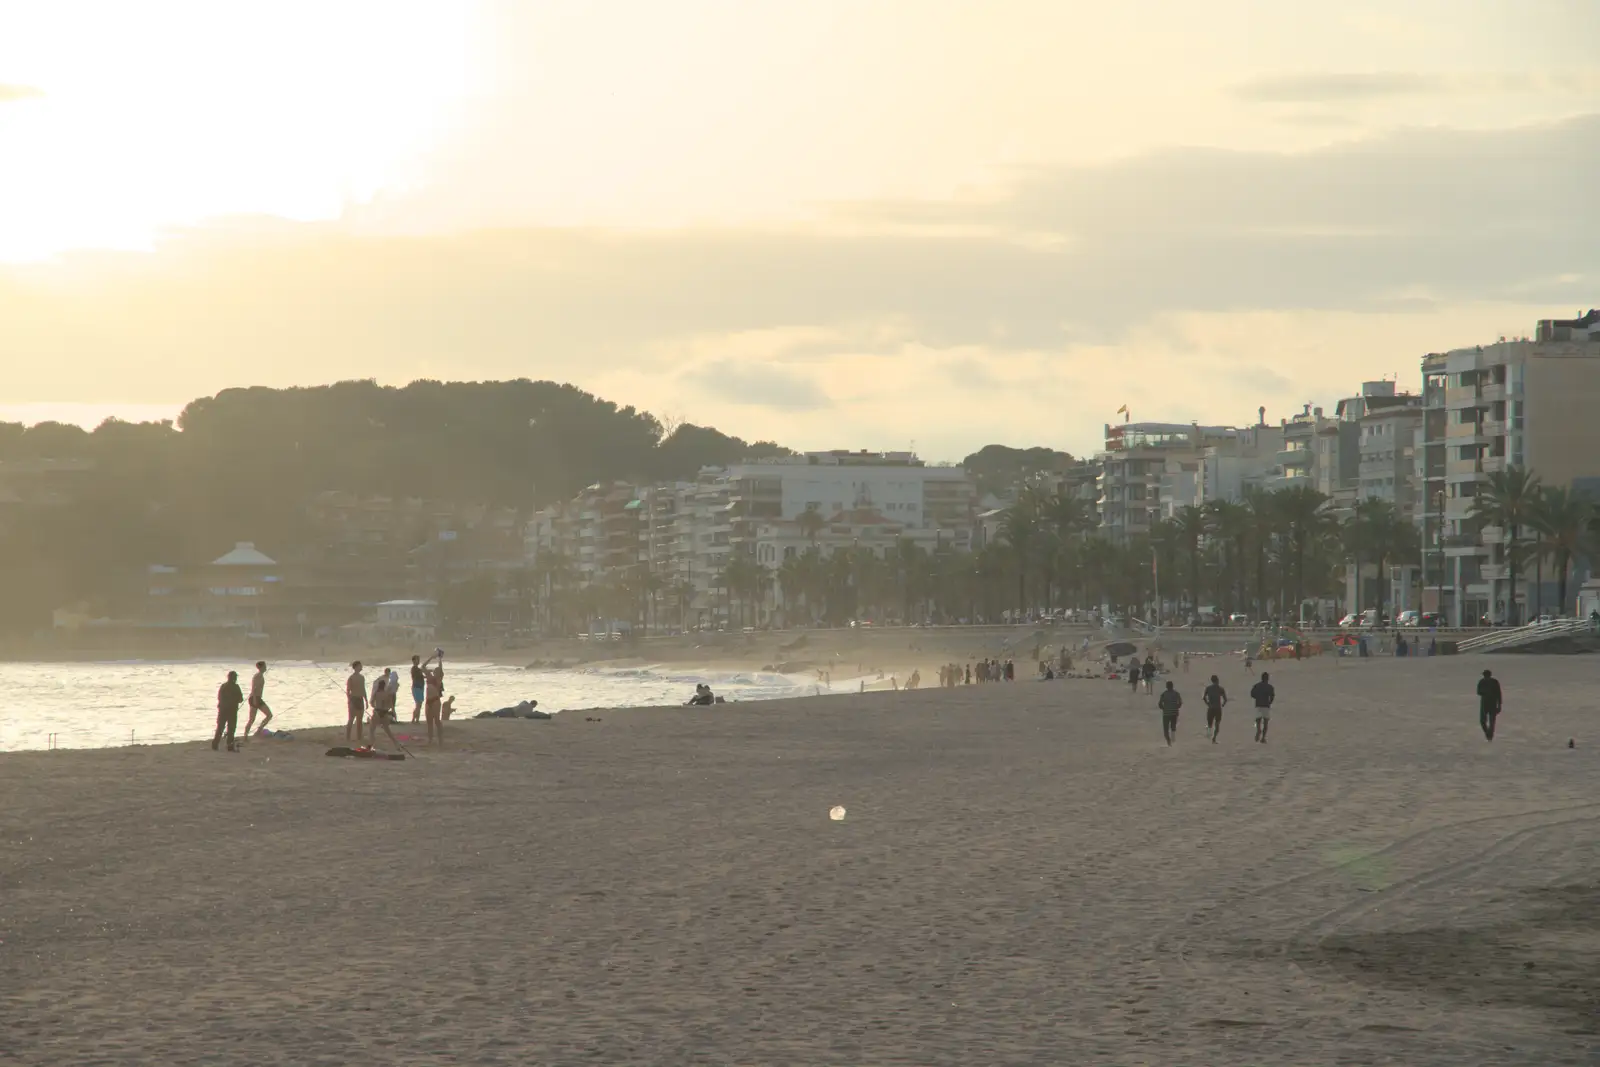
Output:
x,y
1493,572
1491,393
1458,433
1492,464
1492,535
1457,399
1493,427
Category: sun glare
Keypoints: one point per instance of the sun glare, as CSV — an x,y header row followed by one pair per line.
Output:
x,y
118,121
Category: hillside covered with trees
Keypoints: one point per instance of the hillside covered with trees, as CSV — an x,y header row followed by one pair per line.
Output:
x,y
79,508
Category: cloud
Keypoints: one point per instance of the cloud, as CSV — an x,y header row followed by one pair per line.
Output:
x,y
1347,88
1175,273
11,93
759,386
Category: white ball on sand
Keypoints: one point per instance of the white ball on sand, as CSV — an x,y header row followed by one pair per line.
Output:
x,y
836,813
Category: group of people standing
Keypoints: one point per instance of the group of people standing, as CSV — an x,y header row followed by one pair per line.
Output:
x,y
952,675
427,694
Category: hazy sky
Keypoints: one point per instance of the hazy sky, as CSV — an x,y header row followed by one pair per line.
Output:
x,y
838,223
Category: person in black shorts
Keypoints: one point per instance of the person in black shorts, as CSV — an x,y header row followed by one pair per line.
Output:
x,y
1169,702
1133,676
1216,699
355,696
258,701
1489,700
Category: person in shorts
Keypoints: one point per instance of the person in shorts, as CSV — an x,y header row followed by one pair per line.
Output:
x,y
1216,698
1170,701
1263,694
355,695
419,687
1149,672
1133,676
258,702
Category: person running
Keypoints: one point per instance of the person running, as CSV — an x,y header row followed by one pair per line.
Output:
x,y
229,697
355,697
419,687
1169,702
435,702
1263,694
1149,674
1489,701
1216,698
258,687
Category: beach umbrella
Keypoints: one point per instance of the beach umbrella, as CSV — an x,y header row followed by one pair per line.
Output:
x,y
1121,648
1346,640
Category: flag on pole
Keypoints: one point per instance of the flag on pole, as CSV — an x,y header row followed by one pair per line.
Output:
x,y
1123,410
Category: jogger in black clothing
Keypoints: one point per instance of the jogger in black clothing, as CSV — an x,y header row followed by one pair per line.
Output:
x,y
1489,700
1216,698
1263,694
1169,702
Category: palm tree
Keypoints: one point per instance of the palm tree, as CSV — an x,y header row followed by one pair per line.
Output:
x,y
1303,518
811,522
1565,520
1189,525
1261,520
1508,499
1227,526
1377,532
1021,532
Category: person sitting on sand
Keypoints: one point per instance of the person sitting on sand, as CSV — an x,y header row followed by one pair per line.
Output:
x,y
448,708
258,686
229,697
702,696
1169,702
355,696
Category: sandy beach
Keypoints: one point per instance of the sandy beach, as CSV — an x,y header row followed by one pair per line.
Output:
x,y
1025,874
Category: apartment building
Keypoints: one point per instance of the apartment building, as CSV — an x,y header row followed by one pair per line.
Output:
x,y
682,535
1515,403
1138,459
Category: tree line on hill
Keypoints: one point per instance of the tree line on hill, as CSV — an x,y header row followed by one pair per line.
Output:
x,y
241,465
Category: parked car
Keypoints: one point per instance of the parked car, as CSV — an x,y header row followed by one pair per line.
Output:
x,y
1238,618
1431,619
1408,618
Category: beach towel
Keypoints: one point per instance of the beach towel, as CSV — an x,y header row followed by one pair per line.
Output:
x,y
363,753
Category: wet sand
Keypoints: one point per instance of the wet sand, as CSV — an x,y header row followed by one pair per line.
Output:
x,y
1025,874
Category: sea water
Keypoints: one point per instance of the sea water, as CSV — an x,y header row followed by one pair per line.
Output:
x,y
96,705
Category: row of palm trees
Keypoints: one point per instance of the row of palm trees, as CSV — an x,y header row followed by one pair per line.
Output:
x,y
1263,556
1541,523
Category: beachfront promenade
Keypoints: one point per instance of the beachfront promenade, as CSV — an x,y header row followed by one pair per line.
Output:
x,y
1024,874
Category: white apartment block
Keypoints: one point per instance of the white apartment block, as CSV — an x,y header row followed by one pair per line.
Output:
x,y
1142,458
680,537
1521,403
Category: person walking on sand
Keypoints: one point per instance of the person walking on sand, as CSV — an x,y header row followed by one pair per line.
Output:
x,y
229,697
1169,702
1133,676
1263,694
1149,674
258,688
1216,698
1489,701
355,698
